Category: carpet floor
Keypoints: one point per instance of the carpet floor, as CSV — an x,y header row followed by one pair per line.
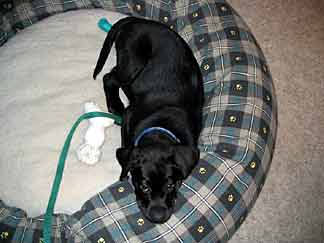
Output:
x,y
290,207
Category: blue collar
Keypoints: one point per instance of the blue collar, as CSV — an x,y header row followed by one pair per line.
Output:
x,y
152,129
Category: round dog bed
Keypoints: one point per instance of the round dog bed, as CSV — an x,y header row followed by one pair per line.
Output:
x,y
237,141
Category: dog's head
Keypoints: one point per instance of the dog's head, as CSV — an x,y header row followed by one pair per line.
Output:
x,y
157,173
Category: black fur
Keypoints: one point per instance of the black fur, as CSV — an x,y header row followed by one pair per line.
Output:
x,y
162,80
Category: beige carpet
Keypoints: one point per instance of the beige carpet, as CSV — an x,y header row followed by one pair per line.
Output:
x,y
291,206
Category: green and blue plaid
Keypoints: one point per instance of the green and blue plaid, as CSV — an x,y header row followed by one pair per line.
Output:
x,y
237,141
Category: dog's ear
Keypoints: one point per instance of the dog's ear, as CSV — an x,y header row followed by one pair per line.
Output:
x,y
186,158
123,155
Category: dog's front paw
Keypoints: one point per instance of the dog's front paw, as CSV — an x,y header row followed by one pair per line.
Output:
x,y
88,154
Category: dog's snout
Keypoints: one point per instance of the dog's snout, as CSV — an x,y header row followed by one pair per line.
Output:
x,y
158,214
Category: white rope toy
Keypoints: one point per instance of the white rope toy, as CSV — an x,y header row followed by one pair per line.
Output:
x,y
89,152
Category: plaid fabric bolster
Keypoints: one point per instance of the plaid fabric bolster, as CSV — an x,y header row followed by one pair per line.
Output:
x,y
237,141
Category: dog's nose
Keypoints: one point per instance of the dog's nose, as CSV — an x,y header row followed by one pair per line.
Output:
x,y
158,214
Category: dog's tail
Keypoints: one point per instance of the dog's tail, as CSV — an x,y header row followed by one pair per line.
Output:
x,y
109,41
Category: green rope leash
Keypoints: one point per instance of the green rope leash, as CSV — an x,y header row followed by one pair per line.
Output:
x,y
47,233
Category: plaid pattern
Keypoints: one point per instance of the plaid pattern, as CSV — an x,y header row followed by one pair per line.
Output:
x,y
237,141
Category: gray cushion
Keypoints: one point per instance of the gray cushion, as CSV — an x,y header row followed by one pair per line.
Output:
x,y
46,79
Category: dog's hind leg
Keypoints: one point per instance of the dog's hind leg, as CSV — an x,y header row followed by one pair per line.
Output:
x,y
111,88
133,58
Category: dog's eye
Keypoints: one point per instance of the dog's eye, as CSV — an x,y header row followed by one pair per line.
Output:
x,y
171,187
145,188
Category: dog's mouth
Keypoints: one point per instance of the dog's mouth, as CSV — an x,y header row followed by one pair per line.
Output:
x,y
156,214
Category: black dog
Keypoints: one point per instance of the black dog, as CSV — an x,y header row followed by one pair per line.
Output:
x,y
161,78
